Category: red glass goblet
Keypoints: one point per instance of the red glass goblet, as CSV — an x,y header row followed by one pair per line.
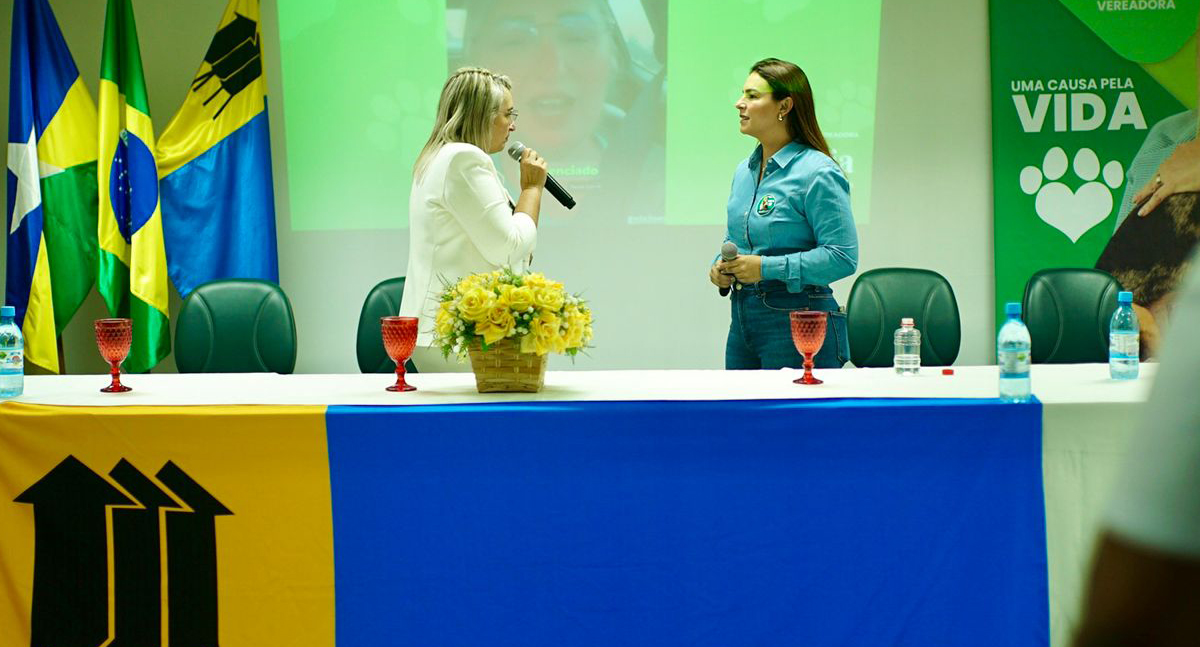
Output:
x,y
113,337
808,333
399,339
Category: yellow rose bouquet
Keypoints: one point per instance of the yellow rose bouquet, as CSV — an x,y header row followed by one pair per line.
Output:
x,y
537,314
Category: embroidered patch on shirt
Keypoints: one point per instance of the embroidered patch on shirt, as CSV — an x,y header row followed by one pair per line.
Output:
x,y
766,204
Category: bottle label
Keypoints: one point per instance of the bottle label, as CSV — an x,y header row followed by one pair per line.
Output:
x,y
1123,346
12,360
1014,363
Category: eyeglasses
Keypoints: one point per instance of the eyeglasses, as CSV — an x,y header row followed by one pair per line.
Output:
x,y
512,114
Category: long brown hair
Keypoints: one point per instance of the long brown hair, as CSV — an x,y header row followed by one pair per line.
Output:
x,y
788,80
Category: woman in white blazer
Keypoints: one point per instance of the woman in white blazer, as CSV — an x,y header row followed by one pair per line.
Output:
x,y
461,219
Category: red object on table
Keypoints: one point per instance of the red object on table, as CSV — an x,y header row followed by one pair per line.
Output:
x,y
808,333
113,338
399,340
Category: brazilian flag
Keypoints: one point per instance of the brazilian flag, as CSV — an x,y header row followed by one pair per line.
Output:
x,y
133,265
51,182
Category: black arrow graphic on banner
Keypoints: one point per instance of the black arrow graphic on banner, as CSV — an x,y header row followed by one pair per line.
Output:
x,y
191,561
137,594
236,59
70,563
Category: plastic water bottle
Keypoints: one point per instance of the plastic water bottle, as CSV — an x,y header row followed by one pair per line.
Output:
x,y
907,359
12,355
1123,331
1013,354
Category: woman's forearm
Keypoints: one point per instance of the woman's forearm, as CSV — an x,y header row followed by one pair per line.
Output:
x,y
530,203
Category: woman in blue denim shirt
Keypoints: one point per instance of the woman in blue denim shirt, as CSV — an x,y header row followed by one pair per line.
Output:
x,y
790,220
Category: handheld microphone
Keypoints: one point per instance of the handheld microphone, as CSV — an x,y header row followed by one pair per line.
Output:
x,y
516,149
728,253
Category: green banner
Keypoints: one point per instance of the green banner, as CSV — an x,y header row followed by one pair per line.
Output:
x,y
1076,89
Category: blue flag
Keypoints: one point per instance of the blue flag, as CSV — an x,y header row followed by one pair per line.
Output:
x,y
214,164
51,182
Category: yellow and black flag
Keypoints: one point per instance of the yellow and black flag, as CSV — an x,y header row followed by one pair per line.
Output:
x,y
214,164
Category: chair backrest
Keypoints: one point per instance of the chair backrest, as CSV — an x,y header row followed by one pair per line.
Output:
x,y
1067,311
236,326
383,300
881,297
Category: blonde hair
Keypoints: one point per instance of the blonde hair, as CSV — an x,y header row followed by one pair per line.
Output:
x,y
469,103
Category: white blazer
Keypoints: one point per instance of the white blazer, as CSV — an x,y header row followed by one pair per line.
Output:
x,y
460,222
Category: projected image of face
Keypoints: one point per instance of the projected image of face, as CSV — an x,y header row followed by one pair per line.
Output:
x,y
584,81
561,57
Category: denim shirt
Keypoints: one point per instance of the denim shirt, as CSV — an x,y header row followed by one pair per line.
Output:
x,y
798,219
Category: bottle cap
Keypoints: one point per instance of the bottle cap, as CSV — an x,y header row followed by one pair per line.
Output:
x,y
907,321
8,311
1012,308
1124,297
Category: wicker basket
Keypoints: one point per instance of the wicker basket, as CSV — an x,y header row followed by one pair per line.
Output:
x,y
504,368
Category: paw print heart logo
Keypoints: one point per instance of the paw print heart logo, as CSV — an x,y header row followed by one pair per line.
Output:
x,y
1072,212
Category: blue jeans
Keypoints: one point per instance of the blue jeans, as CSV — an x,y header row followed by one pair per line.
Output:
x,y
760,332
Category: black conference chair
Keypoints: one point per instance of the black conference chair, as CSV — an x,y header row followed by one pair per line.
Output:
x,y
1067,311
881,297
383,300
236,326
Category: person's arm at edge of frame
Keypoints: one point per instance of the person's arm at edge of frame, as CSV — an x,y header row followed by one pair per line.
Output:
x,y
1139,596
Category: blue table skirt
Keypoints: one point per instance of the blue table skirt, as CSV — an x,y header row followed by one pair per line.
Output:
x,y
828,522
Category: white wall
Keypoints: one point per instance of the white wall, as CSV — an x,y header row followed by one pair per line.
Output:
x,y
932,204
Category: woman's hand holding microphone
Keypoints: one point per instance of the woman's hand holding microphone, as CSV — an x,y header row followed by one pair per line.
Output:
x,y
718,278
746,268
533,179
731,267
533,170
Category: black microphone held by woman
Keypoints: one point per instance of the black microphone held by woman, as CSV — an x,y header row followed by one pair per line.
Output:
x,y
729,252
516,149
